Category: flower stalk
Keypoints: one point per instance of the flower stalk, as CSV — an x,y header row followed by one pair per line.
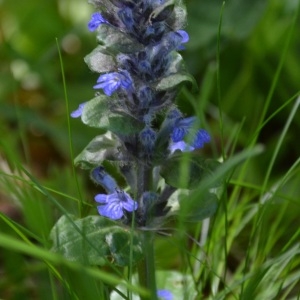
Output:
x,y
146,267
140,74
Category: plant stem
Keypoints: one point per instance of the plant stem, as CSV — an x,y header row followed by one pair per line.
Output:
x,y
146,268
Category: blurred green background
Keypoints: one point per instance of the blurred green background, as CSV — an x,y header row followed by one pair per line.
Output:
x,y
31,90
33,113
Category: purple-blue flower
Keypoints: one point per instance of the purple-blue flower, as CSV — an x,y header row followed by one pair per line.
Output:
x,y
78,112
126,17
100,176
164,294
96,20
182,129
112,81
184,39
182,146
148,137
202,137
184,36
113,205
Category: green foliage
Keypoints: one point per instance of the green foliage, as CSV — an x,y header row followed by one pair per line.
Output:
x,y
245,14
189,171
93,240
181,285
116,40
96,114
100,60
173,80
99,149
249,249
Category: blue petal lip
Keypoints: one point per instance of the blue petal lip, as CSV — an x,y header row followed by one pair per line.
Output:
x,y
96,20
78,112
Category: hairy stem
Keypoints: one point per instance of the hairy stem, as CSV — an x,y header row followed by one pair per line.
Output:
x,y
146,267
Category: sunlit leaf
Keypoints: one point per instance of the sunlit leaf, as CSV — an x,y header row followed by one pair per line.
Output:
x,y
113,38
100,61
97,113
95,240
187,171
100,148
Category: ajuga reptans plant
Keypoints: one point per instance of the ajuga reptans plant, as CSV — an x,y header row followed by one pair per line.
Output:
x,y
148,156
145,133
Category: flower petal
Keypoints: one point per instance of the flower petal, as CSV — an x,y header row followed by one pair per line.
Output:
x,y
184,36
112,210
101,198
164,294
96,20
130,205
202,137
127,202
78,112
182,146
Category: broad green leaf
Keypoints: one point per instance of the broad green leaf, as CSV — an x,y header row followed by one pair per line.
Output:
x,y
95,240
210,187
97,113
195,211
116,40
173,80
188,170
100,148
100,61
192,210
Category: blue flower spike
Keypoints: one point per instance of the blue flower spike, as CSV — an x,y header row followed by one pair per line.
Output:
x,y
139,71
113,205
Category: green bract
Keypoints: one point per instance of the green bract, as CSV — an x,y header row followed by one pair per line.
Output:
x,y
100,60
98,113
99,149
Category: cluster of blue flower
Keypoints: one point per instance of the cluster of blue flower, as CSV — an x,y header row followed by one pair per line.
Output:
x,y
140,72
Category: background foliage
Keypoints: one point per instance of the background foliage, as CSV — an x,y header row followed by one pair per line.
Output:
x,y
34,134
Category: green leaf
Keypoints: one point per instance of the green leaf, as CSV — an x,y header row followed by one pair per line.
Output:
x,y
187,170
95,240
178,18
97,113
172,80
116,40
195,211
100,61
102,147
206,17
